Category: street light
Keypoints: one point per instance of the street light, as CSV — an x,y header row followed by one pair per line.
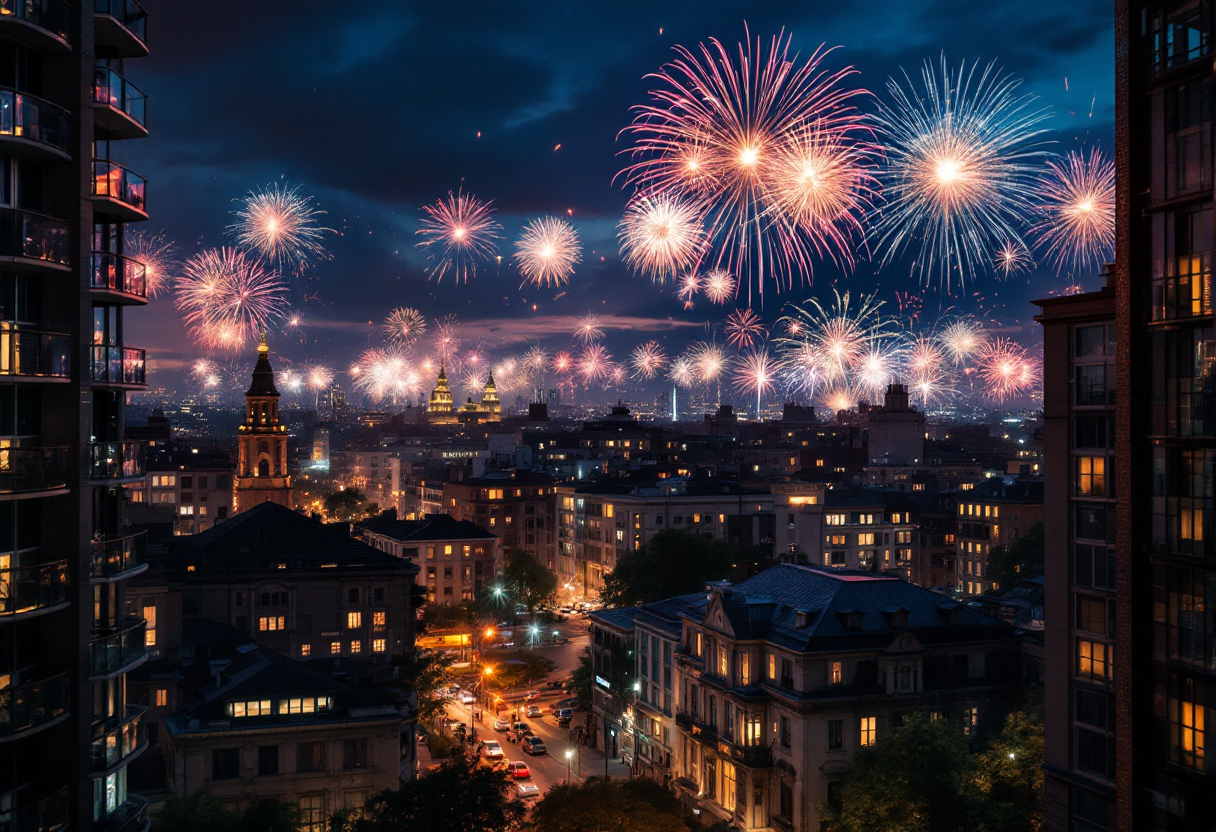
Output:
x,y
569,754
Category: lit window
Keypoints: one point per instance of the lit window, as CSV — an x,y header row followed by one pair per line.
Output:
x,y
1187,729
335,648
305,650
865,539
356,647
379,645
1093,660
162,697
271,623
837,674
834,519
869,730
379,619
699,644
254,708
447,550
772,666
354,620
971,718
745,668
150,632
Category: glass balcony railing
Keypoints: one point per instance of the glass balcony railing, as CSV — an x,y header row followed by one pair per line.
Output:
x,y
119,365
130,816
129,13
29,470
111,89
26,589
26,811
25,116
116,273
28,354
111,652
116,460
32,236
1186,289
113,556
27,706
113,181
50,15
119,739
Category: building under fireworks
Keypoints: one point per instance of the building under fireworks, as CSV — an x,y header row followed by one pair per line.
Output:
x,y
441,410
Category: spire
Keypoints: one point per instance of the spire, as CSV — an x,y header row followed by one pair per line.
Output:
x,y
263,375
263,349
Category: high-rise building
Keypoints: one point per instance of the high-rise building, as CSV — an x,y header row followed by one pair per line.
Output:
x,y
261,468
67,114
1164,666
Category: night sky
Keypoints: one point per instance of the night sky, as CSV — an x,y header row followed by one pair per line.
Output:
x,y
374,108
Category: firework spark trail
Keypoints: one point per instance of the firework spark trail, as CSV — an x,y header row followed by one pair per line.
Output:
x,y
961,171
756,374
404,326
743,328
801,370
660,235
446,339
588,329
719,286
714,133
547,252
459,234
877,367
535,364
1076,232
687,287
682,371
280,224
594,364
1006,370
710,361
158,255
648,360
838,333
563,362
962,340
226,298
1012,257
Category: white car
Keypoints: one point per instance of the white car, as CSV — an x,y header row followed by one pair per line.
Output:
x,y
502,724
527,791
491,750
465,697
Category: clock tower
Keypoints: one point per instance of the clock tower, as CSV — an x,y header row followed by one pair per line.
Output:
x,y
261,470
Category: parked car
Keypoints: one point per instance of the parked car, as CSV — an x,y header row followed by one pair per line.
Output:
x,y
501,724
568,702
527,791
534,745
492,751
519,730
534,712
564,716
465,697
518,770
533,694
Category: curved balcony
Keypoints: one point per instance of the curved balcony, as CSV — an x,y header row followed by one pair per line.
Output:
x,y
116,461
131,816
119,367
119,739
118,651
41,24
119,107
27,591
120,28
119,278
116,558
27,708
33,128
36,356
30,809
33,242
33,471
118,192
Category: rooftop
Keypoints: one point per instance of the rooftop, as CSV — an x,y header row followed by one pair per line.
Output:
x,y
430,527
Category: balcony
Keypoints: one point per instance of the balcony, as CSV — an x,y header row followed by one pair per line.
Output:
x,y
119,739
38,356
116,461
30,471
41,24
119,367
118,192
33,242
752,756
131,816
115,558
120,28
33,128
120,279
702,732
119,107
118,651
1186,289
29,707
30,810
26,591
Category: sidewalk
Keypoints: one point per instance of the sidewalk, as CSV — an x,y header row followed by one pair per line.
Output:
x,y
593,765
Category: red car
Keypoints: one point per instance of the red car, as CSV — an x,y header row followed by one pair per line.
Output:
x,y
519,771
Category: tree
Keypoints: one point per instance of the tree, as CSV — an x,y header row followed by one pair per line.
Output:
x,y
1011,563
519,667
604,805
460,796
202,813
527,580
580,682
346,504
674,562
1010,775
919,777
427,673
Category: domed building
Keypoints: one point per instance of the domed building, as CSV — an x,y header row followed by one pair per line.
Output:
x,y
440,410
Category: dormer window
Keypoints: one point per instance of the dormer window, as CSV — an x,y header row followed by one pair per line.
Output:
x,y
900,619
260,707
853,621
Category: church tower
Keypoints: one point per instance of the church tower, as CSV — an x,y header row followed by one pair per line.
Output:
x,y
489,401
261,471
439,409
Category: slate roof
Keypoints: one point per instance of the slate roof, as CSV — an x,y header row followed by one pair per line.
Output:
x,y
430,527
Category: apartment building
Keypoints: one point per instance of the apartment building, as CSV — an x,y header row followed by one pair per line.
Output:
x,y
995,513
516,506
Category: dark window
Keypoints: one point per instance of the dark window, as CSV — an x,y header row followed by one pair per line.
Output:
x,y
787,673
1092,340
1093,566
1091,432
378,594
1092,708
225,764
354,754
268,760
786,811
1091,614
187,482
1091,522
835,734
1093,752
310,756
958,666
352,596
785,731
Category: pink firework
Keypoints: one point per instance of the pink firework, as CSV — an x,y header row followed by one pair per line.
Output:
x,y
446,341
1077,230
720,130
589,329
660,235
563,362
743,328
648,360
719,286
158,255
281,224
594,364
459,234
1007,370
683,371
688,286
547,252
226,297
756,374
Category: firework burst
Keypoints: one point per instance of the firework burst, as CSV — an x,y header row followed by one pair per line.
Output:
x,y
719,286
1012,257
593,364
226,298
838,334
743,328
756,374
682,371
1006,369
1077,229
660,235
961,169
589,329
709,361
715,132
687,287
282,225
446,339
548,251
404,326
563,362
648,360
459,234
158,255
962,340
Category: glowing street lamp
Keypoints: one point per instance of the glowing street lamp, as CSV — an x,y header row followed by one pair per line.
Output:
x,y
569,754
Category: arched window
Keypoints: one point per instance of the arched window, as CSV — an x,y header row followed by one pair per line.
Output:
x,y
264,468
